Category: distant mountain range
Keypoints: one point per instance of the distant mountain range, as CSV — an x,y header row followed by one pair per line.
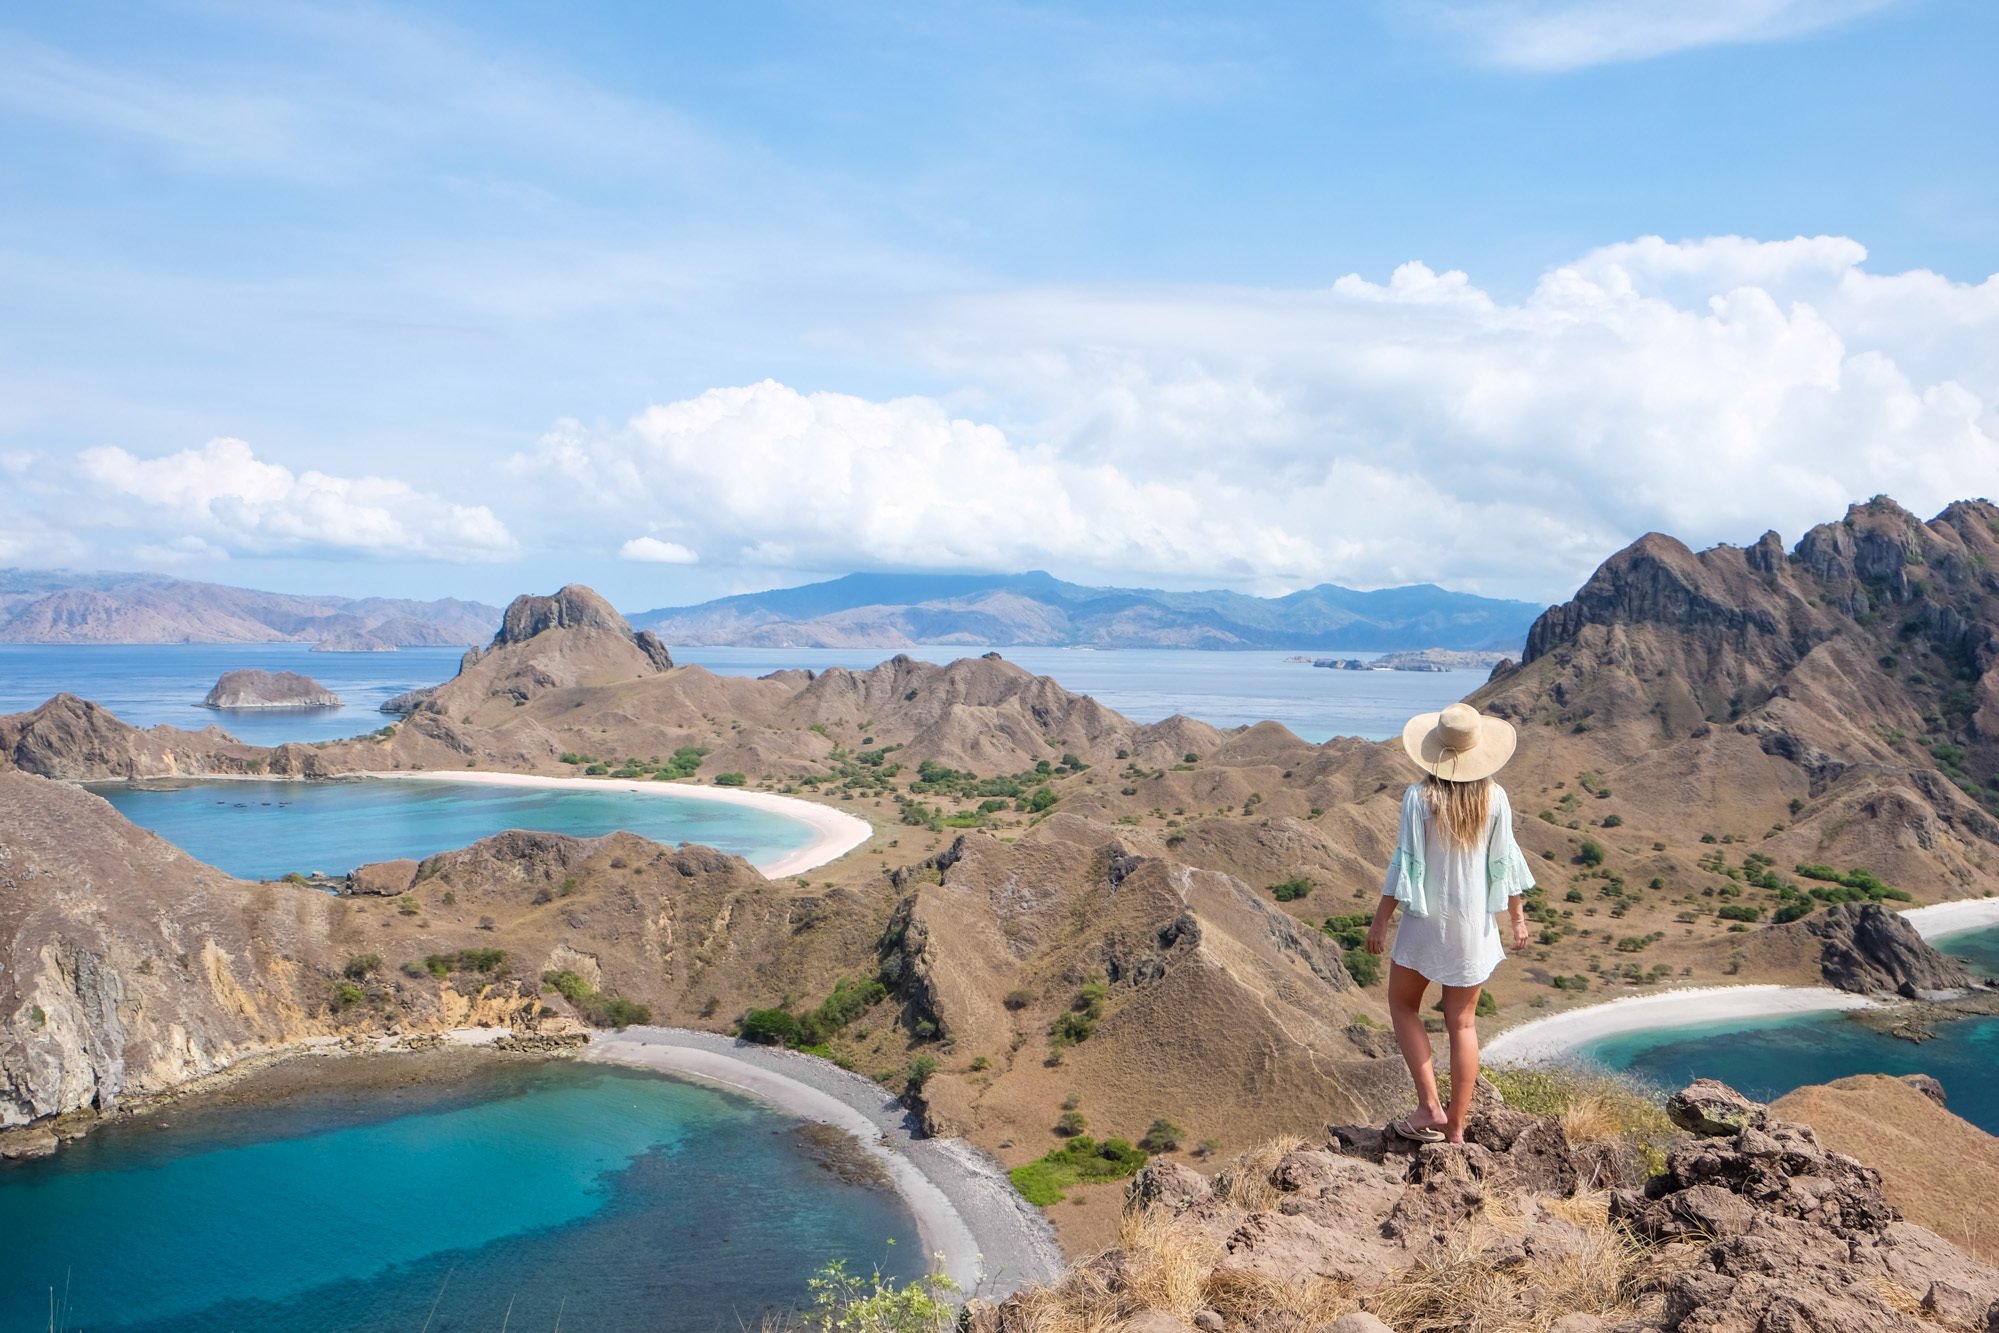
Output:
x,y
65,606
900,610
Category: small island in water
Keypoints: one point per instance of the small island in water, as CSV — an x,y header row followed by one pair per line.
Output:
x,y
269,689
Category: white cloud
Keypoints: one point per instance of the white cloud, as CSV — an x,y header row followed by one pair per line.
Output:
x,y
652,550
1366,432
1553,35
221,498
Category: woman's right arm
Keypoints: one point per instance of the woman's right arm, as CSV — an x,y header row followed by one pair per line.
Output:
x,y
1377,931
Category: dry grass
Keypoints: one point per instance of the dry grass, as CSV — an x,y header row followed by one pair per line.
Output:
x,y
1451,1288
1245,1182
1243,1296
1463,1287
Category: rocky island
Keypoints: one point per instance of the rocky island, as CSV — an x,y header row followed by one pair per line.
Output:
x,y
269,689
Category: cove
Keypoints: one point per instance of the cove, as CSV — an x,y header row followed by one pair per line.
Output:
x,y
268,829
1766,1058
610,1199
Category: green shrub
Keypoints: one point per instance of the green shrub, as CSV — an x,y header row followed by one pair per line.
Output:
x,y
1082,1159
346,993
1291,889
772,1027
731,779
1590,854
921,1069
359,966
1043,799
1072,1123
465,960
1486,1006
1362,966
1613,821
1018,999
1162,1135
1739,912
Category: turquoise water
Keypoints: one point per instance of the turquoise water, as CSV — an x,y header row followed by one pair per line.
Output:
x,y
613,1199
264,830
150,684
1767,1058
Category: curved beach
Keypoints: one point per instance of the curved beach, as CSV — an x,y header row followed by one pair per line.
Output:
x,y
1941,919
835,832
1560,1035
988,1239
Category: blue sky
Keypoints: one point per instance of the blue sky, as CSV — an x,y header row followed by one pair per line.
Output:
x,y
680,300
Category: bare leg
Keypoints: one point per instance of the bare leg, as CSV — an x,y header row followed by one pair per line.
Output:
x,y
1405,1007
1460,1009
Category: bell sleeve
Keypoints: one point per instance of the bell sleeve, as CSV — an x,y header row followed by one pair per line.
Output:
x,y
1507,874
1404,881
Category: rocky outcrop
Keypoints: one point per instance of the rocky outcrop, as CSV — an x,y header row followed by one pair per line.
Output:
x,y
1794,1235
1868,950
1759,1230
572,638
72,738
268,689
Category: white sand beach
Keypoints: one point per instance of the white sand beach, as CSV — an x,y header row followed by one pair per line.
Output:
x,y
1940,919
1559,1035
991,1241
835,831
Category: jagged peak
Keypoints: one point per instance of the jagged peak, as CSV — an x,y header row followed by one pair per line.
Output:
x,y
573,606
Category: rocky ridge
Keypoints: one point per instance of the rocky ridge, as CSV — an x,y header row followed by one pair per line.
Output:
x,y
1752,1225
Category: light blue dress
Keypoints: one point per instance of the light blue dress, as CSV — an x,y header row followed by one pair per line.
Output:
x,y
1450,895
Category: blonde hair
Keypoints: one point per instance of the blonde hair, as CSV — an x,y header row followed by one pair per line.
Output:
x,y
1461,809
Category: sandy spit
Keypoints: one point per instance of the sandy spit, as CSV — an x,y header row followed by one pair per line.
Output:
x,y
992,1242
1941,919
835,832
1559,1035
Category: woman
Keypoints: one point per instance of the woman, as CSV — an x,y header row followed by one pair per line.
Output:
x,y
1456,867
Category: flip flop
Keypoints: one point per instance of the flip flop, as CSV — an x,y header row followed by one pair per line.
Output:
x,y
1404,1129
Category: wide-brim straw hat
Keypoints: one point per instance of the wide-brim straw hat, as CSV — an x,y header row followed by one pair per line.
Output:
x,y
1459,744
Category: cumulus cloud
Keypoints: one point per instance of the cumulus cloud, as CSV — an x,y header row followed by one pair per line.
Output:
x,y
221,498
1555,35
651,550
1418,428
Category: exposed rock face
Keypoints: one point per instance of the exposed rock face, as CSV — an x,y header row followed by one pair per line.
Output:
x,y
1841,700
267,689
1869,950
549,643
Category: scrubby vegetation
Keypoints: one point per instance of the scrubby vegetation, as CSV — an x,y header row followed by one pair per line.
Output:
x,y
877,1304
595,1007
778,1026
1082,1159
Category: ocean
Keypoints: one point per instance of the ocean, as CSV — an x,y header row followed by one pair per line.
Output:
x,y
538,1195
151,684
